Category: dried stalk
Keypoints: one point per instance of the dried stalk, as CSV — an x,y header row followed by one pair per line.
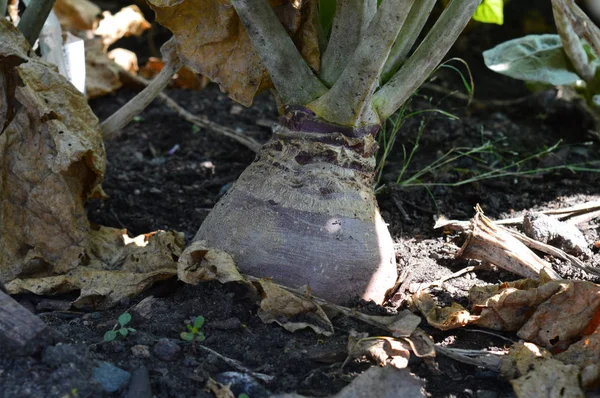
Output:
x,y
496,245
111,127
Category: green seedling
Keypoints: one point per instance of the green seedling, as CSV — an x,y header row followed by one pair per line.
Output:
x,y
122,330
194,334
243,395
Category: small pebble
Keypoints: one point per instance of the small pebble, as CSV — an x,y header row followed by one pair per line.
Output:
x,y
139,387
166,349
140,351
110,377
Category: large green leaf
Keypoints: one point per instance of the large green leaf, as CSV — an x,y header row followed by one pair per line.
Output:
x,y
538,58
490,11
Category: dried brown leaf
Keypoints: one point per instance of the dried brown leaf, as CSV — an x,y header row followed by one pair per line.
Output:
x,y
77,14
212,41
129,21
118,267
549,378
102,74
381,350
291,311
220,390
51,158
185,77
564,316
444,318
200,263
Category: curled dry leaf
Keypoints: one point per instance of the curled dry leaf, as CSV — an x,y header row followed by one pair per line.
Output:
x,y
549,378
381,350
200,263
129,21
102,74
443,318
185,77
125,59
291,311
117,267
51,158
585,354
220,390
212,41
77,14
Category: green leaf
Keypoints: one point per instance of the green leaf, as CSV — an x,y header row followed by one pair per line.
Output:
x,y
195,129
200,337
110,335
538,58
187,336
490,11
123,332
325,16
190,328
243,395
138,119
125,318
132,330
198,322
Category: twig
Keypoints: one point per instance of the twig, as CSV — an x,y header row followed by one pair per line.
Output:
x,y
112,126
200,121
33,19
553,251
237,365
456,274
490,333
485,359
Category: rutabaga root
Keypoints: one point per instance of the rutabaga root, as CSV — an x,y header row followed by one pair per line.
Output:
x,y
304,212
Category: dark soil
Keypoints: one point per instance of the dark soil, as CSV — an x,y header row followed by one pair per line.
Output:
x,y
162,174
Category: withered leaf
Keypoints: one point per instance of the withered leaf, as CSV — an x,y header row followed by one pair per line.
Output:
x,y
51,158
443,318
118,267
77,14
381,350
102,74
291,311
212,41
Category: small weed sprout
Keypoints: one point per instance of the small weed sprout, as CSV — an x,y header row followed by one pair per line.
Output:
x,y
243,395
195,334
122,330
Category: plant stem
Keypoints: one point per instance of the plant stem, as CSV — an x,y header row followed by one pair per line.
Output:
x,y
295,82
571,42
425,58
352,18
348,102
33,19
3,5
407,37
111,126
584,26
